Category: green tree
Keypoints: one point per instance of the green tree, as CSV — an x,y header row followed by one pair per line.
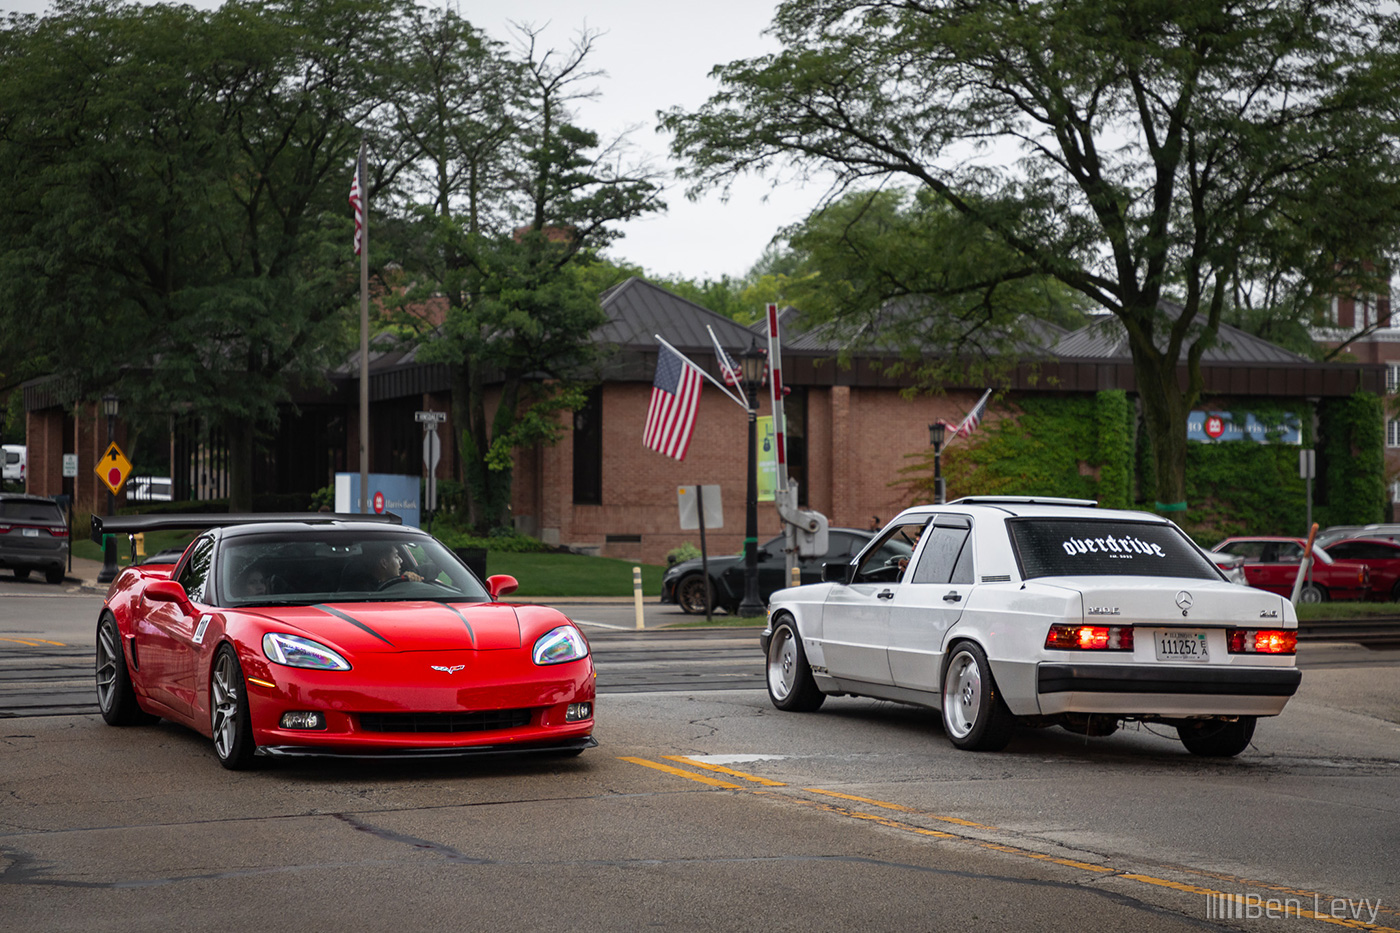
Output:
x,y
540,197
1157,146
177,182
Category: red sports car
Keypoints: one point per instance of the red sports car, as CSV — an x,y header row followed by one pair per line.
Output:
x,y
1272,564
320,634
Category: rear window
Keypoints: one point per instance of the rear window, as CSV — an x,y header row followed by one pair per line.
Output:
x,y
21,511
1072,547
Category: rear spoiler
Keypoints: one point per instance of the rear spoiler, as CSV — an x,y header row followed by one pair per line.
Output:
x,y
140,524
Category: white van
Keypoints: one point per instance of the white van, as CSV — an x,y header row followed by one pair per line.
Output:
x,y
15,461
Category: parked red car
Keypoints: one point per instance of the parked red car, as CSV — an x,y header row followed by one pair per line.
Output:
x,y
1383,557
1272,564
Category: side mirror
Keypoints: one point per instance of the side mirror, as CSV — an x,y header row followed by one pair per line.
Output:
x,y
762,553
168,591
501,584
833,572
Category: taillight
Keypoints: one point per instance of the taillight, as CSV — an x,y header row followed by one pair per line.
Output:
x,y
1262,641
4,528
1090,637
59,532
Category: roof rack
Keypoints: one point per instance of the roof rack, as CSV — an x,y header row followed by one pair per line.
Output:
x,y
1024,500
174,521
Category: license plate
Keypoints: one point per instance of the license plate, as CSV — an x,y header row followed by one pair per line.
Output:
x,y
30,532
1180,645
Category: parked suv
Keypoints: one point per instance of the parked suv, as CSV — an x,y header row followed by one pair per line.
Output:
x,y
33,536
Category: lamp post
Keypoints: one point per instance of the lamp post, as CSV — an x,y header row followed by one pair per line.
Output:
x,y
935,438
110,406
751,362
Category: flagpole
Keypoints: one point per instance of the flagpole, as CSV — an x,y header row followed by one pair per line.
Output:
x,y
364,330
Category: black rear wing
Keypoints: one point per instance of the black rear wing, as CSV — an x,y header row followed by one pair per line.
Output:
x,y
140,524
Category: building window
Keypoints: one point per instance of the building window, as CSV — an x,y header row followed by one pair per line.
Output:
x,y
1392,378
795,414
1392,433
588,451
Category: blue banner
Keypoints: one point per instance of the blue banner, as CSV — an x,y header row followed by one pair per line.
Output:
x,y
1211,427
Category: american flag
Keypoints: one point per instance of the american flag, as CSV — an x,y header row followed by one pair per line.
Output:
x,y
358,204
675,398
974,417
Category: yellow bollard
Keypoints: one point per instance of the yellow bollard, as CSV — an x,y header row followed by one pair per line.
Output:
x,y
637,595
140,544
796,575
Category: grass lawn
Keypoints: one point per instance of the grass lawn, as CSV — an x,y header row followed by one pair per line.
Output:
x,y
1311,612
723,621
550,575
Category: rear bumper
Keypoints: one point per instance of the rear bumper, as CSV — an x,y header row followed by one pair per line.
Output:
x,y
1185,691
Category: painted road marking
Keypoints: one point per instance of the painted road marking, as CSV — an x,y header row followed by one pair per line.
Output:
x,y
33,642
1103,871
723,770
714,782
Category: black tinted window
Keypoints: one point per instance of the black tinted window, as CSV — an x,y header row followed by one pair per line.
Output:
x,y
196,570
1052,547
18,510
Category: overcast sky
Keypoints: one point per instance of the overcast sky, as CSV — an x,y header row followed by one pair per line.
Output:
x,y
656,55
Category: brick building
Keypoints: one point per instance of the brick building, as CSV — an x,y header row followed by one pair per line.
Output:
x,y
851,429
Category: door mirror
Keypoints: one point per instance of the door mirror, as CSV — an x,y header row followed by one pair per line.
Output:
x,y
168,591
833,572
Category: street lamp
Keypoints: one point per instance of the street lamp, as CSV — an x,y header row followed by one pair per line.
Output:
x,y
752,366
110,405
935,438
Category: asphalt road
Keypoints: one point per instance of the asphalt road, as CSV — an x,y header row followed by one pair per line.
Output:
x,y
704,809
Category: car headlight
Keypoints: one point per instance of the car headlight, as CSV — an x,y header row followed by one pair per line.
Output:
x,y
295,651
565,643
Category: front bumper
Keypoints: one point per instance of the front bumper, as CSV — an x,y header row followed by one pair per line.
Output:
x,y
522,748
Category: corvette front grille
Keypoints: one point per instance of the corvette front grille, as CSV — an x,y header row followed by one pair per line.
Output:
x,y
482,721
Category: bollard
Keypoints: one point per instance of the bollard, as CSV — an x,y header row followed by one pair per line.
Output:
x,y
637,595
796,575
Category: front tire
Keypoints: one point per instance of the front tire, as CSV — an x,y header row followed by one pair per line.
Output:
x,y
791,686
116,697
974,715
228,712
690,594
1215,739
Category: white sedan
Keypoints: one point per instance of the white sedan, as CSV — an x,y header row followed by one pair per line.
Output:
x,y
1041,612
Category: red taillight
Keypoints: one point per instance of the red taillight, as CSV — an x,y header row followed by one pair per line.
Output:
x,y
1262,641
1090,637
4,528
59,532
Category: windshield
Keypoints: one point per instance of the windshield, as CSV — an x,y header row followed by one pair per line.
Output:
x,y
342,565
1073,547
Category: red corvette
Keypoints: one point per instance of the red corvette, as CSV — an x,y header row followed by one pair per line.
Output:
x,y
319,634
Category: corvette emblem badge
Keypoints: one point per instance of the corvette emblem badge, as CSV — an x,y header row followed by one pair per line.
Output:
x,y
448,670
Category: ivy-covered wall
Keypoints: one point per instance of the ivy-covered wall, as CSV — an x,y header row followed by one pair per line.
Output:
x,y
1091,448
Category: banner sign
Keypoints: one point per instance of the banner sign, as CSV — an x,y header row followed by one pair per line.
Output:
x,y
1210,427
767,437
387,493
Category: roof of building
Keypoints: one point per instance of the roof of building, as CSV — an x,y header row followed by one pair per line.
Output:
x,y
1107,339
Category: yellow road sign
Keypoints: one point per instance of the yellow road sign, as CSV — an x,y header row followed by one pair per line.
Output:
x,y
113,468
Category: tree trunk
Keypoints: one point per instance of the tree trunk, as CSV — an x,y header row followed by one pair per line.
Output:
x,y
240,464
1164,409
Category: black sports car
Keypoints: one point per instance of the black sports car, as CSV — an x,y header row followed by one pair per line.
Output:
x,y
683,583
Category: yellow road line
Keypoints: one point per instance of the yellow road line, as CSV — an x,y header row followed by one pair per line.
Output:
x,y
713,782
23,641
723,770
896,806
902,826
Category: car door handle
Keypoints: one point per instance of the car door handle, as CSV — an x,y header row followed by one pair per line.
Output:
x,y
885,594
952,596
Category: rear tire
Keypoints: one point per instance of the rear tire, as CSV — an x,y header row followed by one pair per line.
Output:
x,y
21,573
54,576
1216,739
974,715
1312,593
116,697
791,686
690,594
